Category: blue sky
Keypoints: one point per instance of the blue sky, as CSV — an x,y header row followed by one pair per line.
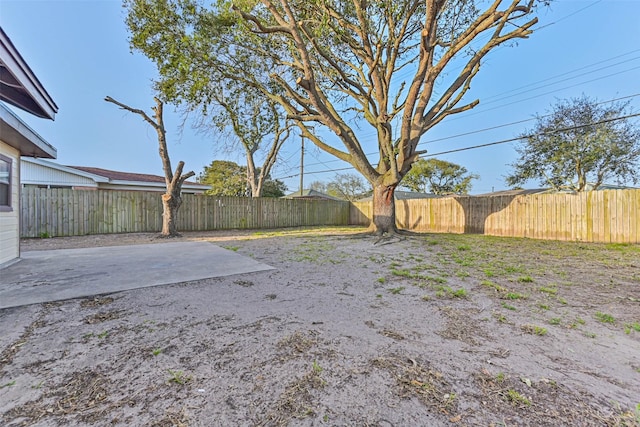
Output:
x,y
79,51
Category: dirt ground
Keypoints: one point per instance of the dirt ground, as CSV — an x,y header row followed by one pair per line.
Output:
x,y
433,330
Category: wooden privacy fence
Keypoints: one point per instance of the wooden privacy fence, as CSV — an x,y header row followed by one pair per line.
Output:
x,y
67,212
595,216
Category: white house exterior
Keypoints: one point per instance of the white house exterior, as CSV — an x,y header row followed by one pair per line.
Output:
x,y
19,87
42,173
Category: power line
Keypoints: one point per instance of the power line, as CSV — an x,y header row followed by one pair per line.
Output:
x,y
316,172
571,72
499,97
473,132
504,141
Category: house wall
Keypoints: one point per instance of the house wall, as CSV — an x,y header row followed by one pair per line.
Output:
x,y
9,220
34,174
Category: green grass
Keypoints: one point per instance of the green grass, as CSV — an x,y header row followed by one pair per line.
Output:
x,y
178,377
623,247
525,279
447,292
496,287
534,330
604,317
628,327
514,296
500,317
396,291
508,307
548,290
403,273
555,321
515,397
489,272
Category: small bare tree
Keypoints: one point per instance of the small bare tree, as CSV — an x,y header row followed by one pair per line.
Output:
x,y
171,199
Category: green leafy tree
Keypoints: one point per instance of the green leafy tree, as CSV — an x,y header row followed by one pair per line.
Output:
x,y
273,188
227,178
348,186
351,68
579,142
438,177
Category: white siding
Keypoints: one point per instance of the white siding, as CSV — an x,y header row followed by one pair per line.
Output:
x,y
9,226
41,175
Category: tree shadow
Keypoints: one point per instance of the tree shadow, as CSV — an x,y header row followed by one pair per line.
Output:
x,y
451,214
477,210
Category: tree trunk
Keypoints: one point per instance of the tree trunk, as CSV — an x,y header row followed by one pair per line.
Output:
x,y
170,204
384,210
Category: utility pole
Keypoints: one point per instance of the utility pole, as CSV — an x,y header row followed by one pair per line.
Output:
x,y
302,167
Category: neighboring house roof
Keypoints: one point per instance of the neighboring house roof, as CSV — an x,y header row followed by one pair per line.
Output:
x,y
522,192
43,172
120,176
589,187
404,195
19,86
310,194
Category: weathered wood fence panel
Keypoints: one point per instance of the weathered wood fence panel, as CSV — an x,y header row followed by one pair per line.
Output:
x,y
66,212
599,216
596,216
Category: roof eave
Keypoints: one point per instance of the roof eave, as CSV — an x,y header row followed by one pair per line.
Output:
x,y
31,95
17,134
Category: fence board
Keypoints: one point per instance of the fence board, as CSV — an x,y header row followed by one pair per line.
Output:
x,y
66,212
598,216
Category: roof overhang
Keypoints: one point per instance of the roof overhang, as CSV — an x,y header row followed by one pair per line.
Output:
x,y
16,133
19,86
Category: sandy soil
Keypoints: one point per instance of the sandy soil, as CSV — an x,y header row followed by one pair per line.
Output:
x,y
434,330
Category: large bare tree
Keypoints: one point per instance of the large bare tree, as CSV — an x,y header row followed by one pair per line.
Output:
x,y
172,198
375,73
